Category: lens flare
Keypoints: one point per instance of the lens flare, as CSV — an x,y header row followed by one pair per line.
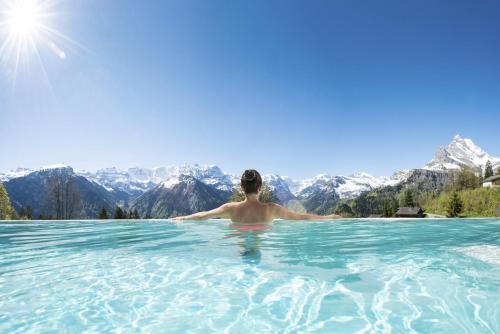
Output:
x,y
26,29
23,20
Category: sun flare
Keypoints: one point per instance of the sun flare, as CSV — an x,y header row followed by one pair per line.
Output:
x,y
24,19
28,35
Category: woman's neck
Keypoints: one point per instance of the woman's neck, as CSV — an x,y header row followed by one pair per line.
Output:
x,y
252,198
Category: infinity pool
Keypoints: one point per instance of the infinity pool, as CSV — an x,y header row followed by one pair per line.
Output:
x,y
373,276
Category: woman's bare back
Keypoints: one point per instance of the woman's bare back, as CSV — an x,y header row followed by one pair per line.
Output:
x,y
247,212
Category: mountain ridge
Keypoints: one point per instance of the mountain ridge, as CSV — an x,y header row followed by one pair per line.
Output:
x,y
58,192
319,193
461,152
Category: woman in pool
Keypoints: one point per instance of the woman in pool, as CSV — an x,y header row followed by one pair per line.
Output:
x,y
251,210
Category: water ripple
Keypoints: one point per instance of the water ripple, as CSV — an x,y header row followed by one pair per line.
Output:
x,y
347,276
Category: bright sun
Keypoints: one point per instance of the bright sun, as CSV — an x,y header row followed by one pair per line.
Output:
x,y
27,35
24,19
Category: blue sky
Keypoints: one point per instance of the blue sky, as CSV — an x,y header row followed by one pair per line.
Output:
x,y
291,87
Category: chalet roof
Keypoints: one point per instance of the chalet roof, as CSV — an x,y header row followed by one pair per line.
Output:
x,y
492,178
409,211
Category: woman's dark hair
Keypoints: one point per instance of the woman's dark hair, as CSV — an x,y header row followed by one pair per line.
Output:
x,y
251,181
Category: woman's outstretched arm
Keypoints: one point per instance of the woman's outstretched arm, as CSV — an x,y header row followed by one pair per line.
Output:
x,y
284,213
221,211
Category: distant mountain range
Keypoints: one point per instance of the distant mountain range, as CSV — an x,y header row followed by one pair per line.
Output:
x,y
173,190
180,195
58,192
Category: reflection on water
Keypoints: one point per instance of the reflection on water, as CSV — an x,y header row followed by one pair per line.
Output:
x,y
249,238
347,276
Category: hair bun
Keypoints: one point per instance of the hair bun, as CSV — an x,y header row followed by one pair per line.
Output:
x,y
249,175
251,181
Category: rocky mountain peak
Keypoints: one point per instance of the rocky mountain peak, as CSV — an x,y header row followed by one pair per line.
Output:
x,y
461,152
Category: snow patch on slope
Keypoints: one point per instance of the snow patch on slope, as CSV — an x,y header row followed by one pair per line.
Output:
x,y
12,174
55,166
171,182
355,184
21,171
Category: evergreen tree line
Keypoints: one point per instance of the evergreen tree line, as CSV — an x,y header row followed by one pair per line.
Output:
x,y
266,195
461,195
121,214
7,211
384,203
464,195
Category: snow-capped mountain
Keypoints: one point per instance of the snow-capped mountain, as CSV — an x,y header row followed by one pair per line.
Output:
x,y
345,186
211,175
398,176
179,195
139,180
317,194
353,185
280,187
57,191
12,174
20,172
320,182
461,152
133,181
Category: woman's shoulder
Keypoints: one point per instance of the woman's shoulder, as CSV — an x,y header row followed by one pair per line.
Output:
x,y
230,205
272,206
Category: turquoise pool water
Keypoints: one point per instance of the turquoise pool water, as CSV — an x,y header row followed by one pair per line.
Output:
x,y
366,276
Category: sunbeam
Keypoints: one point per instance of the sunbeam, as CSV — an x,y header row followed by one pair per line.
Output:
x,y
26,28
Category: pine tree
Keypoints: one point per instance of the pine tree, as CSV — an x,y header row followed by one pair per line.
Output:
x,y
237,195
395,204
455,205
488,170
119,213
408,198
29,212
22,212
466,178
133,214
498,171
266,195
103,214
26,213
388,208
7,212
342,209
